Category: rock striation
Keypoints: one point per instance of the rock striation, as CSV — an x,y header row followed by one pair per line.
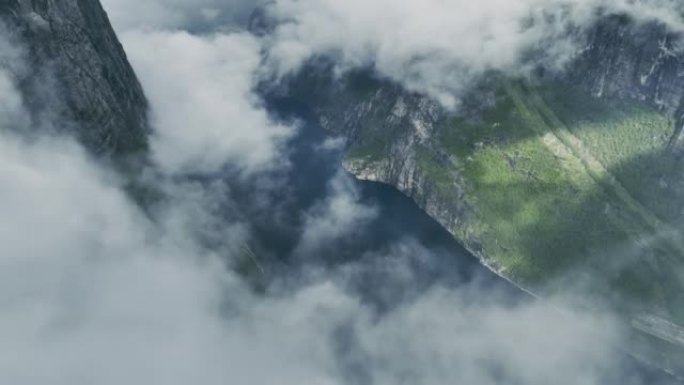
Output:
x,y
78,74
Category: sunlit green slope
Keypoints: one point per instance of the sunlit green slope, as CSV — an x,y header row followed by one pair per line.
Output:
x,y
563,187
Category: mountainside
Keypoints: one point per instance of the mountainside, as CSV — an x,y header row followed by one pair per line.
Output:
x,y
557,181
92,90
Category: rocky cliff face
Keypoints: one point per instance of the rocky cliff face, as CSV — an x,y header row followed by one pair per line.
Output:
x,y
78,74
644,63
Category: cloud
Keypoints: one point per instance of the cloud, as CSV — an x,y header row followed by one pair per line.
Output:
x,y
480,344
96,292
441,338
11,102
204,112
199,71
340,214
440,47
89,293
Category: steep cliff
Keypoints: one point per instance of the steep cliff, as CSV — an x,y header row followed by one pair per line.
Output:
x,y
78,74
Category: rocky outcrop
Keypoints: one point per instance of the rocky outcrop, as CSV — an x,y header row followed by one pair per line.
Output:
x,y
78,74
387,129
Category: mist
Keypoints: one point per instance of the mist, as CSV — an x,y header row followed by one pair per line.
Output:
x,y
441,48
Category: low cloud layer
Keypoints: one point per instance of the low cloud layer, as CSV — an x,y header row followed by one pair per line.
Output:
x,y
91,291
441,47
96,293
435,47
204,110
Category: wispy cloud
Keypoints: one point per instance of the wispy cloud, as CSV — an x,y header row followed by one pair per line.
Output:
x,y
204,109
441,47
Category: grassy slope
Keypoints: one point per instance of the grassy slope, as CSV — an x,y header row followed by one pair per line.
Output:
x,y
631,140
543,210
563,185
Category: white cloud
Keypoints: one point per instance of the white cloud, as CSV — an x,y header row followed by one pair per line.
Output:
x,y
441,46
204,111
443,338
199,70
92,291
88,294
340,214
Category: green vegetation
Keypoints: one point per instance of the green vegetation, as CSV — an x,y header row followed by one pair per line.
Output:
x,y
562,184
631,140
374,146
531,214
436,170
550,183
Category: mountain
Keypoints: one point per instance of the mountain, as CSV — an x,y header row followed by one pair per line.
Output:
x,y
93,91
557,181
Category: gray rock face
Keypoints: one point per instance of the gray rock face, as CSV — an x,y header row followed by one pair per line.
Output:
x,y
78,74
644,63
